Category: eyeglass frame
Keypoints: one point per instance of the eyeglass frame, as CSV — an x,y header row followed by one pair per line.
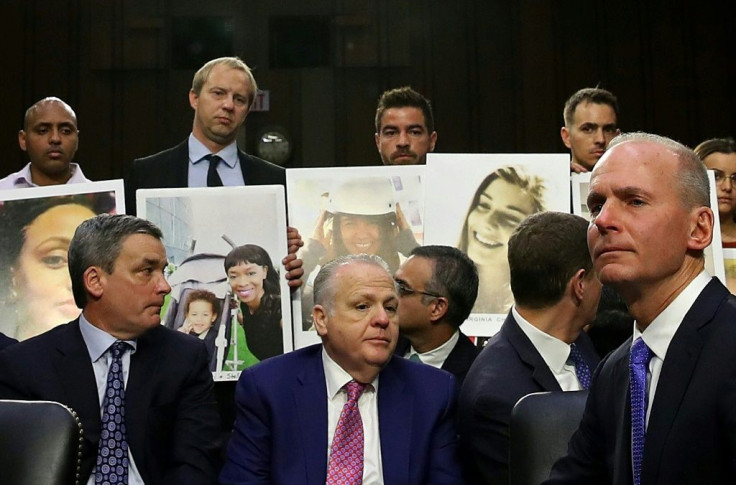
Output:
x,y
720,176
406,290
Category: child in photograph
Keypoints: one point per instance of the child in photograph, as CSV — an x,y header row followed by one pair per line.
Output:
x,y
202,311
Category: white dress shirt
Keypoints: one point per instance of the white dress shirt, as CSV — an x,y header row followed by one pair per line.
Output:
x,y
659,333
98,341
229,171
336,378
436,357
554,352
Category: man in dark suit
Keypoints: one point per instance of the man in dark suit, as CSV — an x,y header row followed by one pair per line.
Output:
x,y
541,345
295,421
662,407
117,348
437,289
5,341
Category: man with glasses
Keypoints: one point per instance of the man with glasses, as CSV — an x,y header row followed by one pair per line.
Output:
x,y
437,289
541,345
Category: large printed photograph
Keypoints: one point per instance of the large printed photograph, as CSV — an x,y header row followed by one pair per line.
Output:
x,y
352,210
36,227
224,246
478,201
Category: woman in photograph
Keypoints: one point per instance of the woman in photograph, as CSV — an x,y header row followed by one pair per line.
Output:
x,y
255,287
719,155
35,288
503,199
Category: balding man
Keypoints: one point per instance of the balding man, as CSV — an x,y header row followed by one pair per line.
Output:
x,y
50,138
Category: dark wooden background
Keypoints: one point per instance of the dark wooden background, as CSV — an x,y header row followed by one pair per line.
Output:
x,y
498,72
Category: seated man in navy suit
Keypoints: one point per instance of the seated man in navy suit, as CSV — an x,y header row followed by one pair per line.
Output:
x,y
143,392
662,407
345,408
556,294
437,289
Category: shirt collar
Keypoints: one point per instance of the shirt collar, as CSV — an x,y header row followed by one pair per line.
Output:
x,y
659,333
436,357
336,377
197,151
97,340
24,176
554,351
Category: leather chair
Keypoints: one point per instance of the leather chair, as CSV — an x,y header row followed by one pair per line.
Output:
x,y
40,443
541,426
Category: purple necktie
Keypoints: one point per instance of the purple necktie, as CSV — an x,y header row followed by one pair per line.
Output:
x,y
638,366
346,458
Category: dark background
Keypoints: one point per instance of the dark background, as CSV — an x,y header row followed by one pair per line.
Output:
x,y
497,72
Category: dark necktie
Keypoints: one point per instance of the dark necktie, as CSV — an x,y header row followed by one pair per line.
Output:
x,y
213,178
346,457
638,366
581,367
112,454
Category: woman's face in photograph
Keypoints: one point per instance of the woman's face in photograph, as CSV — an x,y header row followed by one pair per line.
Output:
x,y
246,281
41,276
201,316
724,166
360,235
501,207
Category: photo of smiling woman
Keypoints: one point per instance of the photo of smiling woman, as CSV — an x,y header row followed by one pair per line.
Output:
x,y
35,287
256,293
503,199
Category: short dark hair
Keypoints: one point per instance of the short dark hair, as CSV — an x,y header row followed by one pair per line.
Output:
x,y
545,251
588,95
253,254
455,277
401,98
97,242
203,295
715,145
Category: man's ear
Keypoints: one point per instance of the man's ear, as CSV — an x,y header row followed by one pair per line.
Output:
x,y
22,140
94,281
319,316
193,99
440,305
701,229
432,140
565,135
577,284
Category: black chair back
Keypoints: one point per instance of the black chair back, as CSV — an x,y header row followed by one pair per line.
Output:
x,y
541,426
40,443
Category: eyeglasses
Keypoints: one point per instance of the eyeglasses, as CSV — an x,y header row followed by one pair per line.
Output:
x,y
405,290
720,177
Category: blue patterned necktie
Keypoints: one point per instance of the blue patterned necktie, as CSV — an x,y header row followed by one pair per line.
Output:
x,y
581,367
638,366
112,455
213,178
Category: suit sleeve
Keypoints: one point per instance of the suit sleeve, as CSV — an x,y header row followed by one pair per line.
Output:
x,y
248,453
444,467
196,437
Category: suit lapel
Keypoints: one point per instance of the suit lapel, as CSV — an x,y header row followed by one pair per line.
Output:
x,y
180,159
619,397
396,405
310,402
529,355
674,379
461,357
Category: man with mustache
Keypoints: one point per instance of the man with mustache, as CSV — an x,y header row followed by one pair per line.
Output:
x,y
143,392
404,127
50,138
345,411
591,121
662,407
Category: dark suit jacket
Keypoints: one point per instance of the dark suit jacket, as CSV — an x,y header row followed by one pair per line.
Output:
x,y
5,341
170,169
280,434
171,416
508,368
459,360
691,436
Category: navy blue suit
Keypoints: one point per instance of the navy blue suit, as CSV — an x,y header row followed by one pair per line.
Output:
x,y
457,363
508,368
281,433
691,436
170,169
5,341
171,416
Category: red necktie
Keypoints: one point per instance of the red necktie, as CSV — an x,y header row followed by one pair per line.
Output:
x,y
346,458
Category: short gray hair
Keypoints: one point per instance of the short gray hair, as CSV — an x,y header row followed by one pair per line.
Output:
x,y
97,242
324,283
692,177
